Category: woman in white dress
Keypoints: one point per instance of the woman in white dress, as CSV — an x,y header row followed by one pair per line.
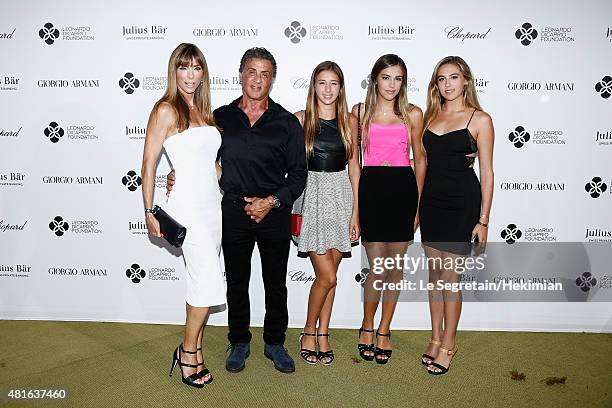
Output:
x,y
182,123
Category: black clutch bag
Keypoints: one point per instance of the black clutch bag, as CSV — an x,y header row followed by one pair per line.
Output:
x,y
171,230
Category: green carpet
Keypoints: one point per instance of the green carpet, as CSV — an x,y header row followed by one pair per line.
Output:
x,y
126,365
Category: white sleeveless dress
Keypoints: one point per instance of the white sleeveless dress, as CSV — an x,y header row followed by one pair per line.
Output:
x,y
195,202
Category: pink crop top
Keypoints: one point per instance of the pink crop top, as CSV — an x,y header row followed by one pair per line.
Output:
x,y
389,146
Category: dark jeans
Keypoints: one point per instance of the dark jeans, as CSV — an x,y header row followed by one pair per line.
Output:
x,y
273,235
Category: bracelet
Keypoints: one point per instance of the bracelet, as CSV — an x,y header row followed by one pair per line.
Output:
x,y
483,224
149,210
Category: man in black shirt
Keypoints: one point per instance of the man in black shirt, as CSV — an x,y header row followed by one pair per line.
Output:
x,y
263,159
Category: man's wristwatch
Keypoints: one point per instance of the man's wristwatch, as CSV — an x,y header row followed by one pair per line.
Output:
x,y
275,202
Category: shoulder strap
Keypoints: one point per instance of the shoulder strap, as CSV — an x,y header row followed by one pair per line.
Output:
x,y
359,131
468,124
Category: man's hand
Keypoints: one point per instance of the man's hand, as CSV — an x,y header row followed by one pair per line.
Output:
x,y
170,179
258,208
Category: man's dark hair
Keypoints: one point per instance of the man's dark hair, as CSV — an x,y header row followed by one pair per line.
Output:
x,y
258,52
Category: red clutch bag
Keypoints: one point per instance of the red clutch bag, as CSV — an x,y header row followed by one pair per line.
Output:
x,y
296,224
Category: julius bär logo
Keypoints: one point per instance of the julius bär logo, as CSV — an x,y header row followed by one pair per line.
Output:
x,y
131,180
54,132
526,34
604,87
586,281
519,137
135,273
595,187
360,278
58,226
129,83
511,234
49,33
295,32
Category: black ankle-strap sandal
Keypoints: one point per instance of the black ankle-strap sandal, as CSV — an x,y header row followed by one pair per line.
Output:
x,y
306,354
381,355
176,359
365,348
325,357
203,373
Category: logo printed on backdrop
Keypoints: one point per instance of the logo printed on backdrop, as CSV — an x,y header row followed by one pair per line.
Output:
x,y
6,35
12,179
596,187
511,234
10,133
15,271
131,180
604,87
65,83
54,132
129,83
153,32
70,271
135,132
519,137
299,83
409,85
225,32
7,226
9,83
603,138
598,235
49,33
80,180
300,276
391,33
137,228
135,273
481,84
541,86
360,278
528,186
527,34
609,34
222,83
457,33
58,226
586,281
296,32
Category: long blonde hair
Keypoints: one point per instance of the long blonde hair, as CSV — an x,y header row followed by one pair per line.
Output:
x,y
311,116
435,100
401,106
182,56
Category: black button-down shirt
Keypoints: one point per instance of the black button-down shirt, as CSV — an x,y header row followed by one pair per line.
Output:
x,y
268,158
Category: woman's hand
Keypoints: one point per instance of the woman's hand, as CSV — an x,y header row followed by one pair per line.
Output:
x,y
153,226
354,228
481,232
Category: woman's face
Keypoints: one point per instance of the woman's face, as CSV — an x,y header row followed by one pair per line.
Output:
x,y
188,77
451,82
327,87
389,82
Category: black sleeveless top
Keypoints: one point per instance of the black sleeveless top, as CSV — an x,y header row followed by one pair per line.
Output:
x,y
329,153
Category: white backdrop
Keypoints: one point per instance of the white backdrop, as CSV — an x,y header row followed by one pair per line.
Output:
x,y
70,135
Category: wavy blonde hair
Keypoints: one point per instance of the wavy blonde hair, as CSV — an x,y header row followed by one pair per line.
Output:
x,y
435,100
401,106
311,115
183,56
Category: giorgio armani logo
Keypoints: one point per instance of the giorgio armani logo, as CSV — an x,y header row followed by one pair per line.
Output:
x,y
129,83
595,187
135,273
511,234
604,87
526,34
49,33
131,180
295,32
58,226
54,132
519,137
586,281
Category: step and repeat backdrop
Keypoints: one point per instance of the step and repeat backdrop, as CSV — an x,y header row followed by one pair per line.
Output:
x,y
78,80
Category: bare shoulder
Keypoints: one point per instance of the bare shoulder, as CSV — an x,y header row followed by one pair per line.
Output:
x,y
165,113
482,119
415,112
352,119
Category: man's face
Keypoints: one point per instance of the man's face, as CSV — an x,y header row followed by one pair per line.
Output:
x,y
256,78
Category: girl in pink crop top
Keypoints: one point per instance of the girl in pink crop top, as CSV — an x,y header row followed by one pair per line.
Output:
x,y
389,146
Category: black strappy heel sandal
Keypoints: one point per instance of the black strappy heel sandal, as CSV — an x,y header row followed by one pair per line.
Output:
x,y
325,357
365,348
380,352
426,359
306,353
176,358
205,371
